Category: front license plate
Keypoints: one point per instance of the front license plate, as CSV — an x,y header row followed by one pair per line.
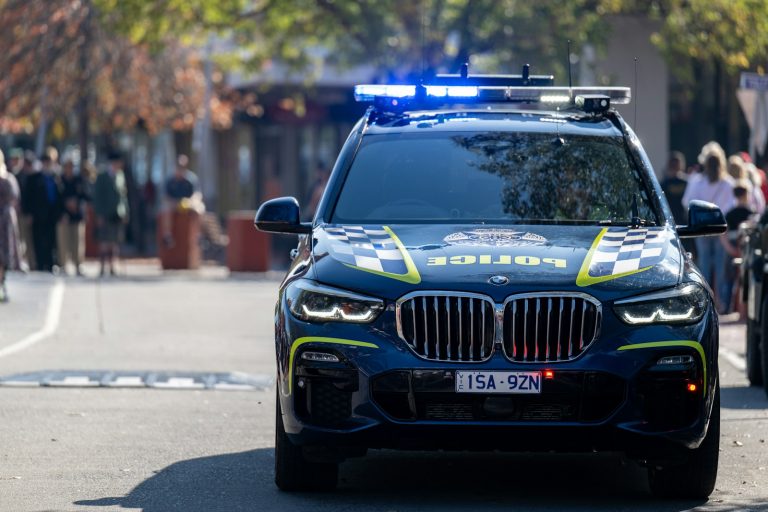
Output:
x,y
498,382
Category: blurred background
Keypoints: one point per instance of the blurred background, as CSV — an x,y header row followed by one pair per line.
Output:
x,y
258,93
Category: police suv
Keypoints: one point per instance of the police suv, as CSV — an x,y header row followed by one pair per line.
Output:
x,y
493,266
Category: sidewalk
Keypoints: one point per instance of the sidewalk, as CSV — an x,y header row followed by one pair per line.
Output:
x,y
149,268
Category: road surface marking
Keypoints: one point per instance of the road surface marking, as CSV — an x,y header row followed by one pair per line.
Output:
x,y
74,381
52,317
734,358
224,381
127,381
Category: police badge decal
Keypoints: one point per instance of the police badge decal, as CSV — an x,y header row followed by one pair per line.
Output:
x,y
495,237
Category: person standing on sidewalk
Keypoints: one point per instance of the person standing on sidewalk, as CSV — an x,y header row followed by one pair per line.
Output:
x,y
181,192
71,228
714,186
25,218
110,206
42,201
9,240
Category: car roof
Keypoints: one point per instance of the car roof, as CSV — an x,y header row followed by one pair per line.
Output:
x,y
531,121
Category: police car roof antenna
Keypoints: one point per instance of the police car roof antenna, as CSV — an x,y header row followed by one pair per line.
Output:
x,y
636,96
636,221
568,61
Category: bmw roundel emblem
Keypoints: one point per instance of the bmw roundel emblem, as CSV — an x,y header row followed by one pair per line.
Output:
x,y
499,280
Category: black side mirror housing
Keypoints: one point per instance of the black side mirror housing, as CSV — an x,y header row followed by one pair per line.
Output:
x,y
704,219
281,215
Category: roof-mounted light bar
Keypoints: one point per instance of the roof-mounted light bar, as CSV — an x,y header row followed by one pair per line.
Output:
x,y
435,95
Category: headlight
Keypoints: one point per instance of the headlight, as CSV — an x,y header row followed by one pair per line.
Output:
x,y
682,305
317,303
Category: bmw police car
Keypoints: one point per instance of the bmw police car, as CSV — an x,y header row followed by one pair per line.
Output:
x,y
493,266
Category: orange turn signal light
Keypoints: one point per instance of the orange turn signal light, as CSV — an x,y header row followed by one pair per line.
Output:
x,y
549,374
691,387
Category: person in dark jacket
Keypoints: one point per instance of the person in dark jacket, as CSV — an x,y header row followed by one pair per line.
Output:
x,y
41,200
110,205
674,184
71,228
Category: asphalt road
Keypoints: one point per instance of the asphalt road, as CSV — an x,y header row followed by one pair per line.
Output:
x,y
151,449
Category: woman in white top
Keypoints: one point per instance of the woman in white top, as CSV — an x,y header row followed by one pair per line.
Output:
x,y
714,185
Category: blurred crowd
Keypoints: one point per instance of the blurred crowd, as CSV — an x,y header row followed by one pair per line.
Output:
x,y
739,188
47,202
43,212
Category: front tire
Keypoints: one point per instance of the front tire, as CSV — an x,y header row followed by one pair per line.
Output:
x,y
754,356
293,472
694,479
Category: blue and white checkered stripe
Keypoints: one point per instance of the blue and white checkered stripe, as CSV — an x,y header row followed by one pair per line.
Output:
x,y
624,250
371,248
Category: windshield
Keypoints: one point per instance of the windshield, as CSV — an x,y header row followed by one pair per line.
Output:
x,y
495,177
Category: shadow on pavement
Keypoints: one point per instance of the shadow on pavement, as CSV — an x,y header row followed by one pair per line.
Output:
x,y
402,481
743,397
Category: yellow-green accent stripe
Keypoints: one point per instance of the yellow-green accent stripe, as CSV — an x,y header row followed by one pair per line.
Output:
x,y
584,279
682,343
312,339
411,277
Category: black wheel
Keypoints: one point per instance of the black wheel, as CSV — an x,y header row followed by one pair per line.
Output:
x,y
694,479
754,357
292,471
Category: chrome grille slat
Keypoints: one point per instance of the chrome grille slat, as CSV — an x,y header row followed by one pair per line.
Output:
x,y
570,335
549,317
426,326
461,333
471,328
482,333
448,319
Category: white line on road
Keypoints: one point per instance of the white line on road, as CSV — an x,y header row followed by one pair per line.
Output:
x,y
52,316
734,358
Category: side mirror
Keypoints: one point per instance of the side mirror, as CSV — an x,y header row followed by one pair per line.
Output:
x,y
281,215
704,219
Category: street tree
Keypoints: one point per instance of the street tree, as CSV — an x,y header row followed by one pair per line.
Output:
x,y
64,61
396,37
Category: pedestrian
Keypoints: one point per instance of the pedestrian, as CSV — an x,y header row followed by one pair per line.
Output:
x,y
110,206
737,169
741,212
41,200
673,185
181,192
714,185
21,171
15,161
322,174
762,179
71,229
9,240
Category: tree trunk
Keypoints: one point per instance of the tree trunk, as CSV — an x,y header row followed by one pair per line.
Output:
x,y
83,125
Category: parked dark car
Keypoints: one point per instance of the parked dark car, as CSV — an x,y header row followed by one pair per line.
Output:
x,y
754,277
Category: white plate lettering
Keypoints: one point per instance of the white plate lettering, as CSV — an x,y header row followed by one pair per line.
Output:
x,y
498,382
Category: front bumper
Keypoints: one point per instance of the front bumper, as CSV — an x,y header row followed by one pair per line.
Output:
x,y
381,395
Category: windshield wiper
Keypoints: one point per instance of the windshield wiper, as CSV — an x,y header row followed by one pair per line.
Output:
x,y
635,221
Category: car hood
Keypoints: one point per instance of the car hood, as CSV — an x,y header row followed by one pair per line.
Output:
x,y
389,261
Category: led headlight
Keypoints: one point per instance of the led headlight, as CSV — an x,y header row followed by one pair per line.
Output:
x,y
681,305
317,303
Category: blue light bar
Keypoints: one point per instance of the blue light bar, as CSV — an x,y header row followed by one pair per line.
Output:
x,y
491,94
